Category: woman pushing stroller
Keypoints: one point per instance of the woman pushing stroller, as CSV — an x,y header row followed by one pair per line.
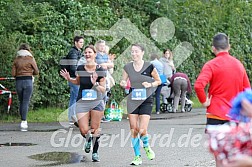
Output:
x,y
180,85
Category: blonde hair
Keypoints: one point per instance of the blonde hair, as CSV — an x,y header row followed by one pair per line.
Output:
x,y
107,49
99,42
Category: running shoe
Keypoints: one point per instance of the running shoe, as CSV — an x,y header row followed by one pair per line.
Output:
x,y
24,126
150,154
75,121
95,157
137,161
88,143
105,120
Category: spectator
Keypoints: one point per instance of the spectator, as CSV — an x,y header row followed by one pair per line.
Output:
x,y
160,69
23,69
167,62
102,59
74,54
111,80
111,58
180,84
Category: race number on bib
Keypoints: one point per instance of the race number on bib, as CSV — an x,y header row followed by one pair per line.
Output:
x,y
89,94
138,94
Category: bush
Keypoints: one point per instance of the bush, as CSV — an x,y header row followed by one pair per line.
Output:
x,y
49,26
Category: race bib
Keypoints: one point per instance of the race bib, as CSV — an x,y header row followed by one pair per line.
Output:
x,y
138,94
89,94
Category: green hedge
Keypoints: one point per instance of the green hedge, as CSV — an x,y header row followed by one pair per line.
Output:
x,y
49,26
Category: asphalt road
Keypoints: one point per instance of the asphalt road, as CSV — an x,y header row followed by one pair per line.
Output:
x,y
178,140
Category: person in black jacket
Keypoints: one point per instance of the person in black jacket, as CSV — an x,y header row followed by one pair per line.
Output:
x,y
74,54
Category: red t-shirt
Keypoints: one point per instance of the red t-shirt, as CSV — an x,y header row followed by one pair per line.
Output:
x,y
226,77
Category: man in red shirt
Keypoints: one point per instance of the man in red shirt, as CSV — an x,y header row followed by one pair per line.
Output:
x,y
226,77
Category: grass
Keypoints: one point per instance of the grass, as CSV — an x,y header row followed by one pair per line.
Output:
x,y
196,103
45,115
56,114
40,115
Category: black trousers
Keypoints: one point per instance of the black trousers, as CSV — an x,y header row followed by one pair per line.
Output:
x,y
211,121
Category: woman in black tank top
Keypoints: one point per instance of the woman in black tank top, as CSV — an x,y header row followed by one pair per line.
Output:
x,y
144,80
90,104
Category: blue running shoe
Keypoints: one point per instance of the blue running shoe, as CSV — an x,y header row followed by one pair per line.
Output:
x,y
88,143
95,157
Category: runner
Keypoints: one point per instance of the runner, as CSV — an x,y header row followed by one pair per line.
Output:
x,y
216,75
90,103
139,102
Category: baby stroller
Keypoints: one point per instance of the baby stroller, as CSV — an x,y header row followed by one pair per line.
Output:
x,y
168,107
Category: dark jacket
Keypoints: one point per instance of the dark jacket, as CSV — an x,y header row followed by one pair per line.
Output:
x,y
74,54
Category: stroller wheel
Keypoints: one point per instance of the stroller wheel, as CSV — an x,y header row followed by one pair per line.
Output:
x,y
163,107
169,107
188,107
